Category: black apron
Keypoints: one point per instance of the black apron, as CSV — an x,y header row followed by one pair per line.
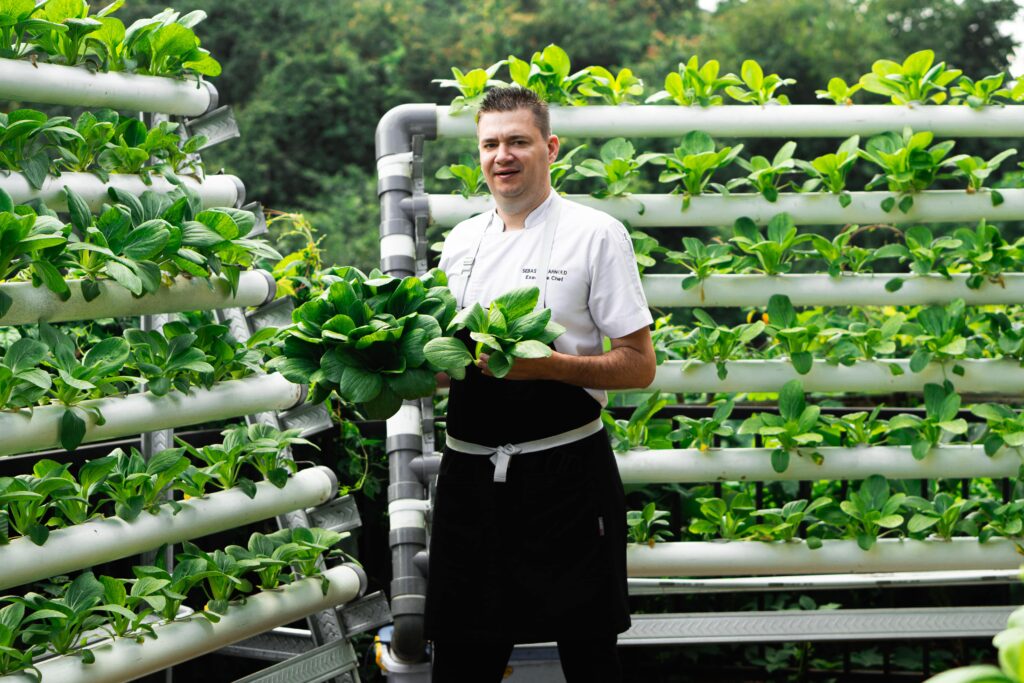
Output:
x,y
541,556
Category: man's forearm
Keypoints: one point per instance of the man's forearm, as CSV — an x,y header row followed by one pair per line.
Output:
x,y
620,368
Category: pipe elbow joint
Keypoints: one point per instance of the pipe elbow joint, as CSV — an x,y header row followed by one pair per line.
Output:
x,y
399,124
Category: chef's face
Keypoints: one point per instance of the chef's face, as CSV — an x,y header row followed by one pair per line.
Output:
x,y
515,158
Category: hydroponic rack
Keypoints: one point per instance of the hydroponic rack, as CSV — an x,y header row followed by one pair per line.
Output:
x,y
309,496
406,211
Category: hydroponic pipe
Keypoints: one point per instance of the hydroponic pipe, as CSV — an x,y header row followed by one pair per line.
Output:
x,y
794,121
105,540
980,376
214,190
36,429
752,558
32,304
24,81
820,289
124,659
666,210
665,466
399,181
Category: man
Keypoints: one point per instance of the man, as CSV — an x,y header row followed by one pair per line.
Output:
x,y
528,545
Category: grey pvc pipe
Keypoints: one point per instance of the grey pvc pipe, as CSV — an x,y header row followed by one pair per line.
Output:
x,y
214,190
980,376
33,430
820,289
747,558
666,210
34,304
23,81
665,466
124,659
108,539
773,121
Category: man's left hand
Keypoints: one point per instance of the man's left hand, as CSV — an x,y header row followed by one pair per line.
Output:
x,y
525,368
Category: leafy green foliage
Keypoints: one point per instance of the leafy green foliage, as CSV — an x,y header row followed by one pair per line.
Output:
x,y
838,91
547,74
692,164
943,516
758,88
693,84
941,405
510,328
471,85
784,523
871,511
647,525
617,167
727,518
708,342
468,174
364,338
774,252
613,89
918,80
909,163
765,176
794,428
981,93
830,170
632,433
1004,427
977,170
702,260
700,432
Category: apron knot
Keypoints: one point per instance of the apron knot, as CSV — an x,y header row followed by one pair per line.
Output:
x,y
502,456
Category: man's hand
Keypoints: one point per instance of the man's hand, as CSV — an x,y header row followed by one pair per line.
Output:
x,y
629,365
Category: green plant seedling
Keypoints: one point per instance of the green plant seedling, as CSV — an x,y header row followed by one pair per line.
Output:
x,y
613,89
88,485
708,342
765,176
863,341
797,339
617,168
1004,427
725,519
701,433
471,85
27,139
909,164
28,241
170,590
758,88
646,526
547,74
28,501
986,253
166,363
871,512
22,382
701,260
163,45
838,91
944,516
632,434
18,23
941,404
774,252
794,428
983,93
854,429
925,253
509,329
693,163
129,611
941,333
918,80
60,623
976,170
830,170
468,174
135,484
644,248
266,446
222,577
783,524
1003,520
15,656
841,256
315,545
695,85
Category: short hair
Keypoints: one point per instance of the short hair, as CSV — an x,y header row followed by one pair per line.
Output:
x,y
513,98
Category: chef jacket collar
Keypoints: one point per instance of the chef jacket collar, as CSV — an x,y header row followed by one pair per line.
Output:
x,y
535,217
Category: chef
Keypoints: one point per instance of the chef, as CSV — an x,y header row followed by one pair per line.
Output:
x,y
528,537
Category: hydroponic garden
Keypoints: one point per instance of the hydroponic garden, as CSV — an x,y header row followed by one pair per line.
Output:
x,y
839,343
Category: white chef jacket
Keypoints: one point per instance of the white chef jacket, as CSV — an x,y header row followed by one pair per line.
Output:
x,y
594,287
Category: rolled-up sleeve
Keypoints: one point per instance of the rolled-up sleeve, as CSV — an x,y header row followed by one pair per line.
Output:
x,y
617,302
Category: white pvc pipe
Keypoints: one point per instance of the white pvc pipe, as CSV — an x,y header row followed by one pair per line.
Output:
x,y
23,81
980,376
737,120
124,659
214,190
665,210
819,289
34,304
752,558
105,540
36,429
665,466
